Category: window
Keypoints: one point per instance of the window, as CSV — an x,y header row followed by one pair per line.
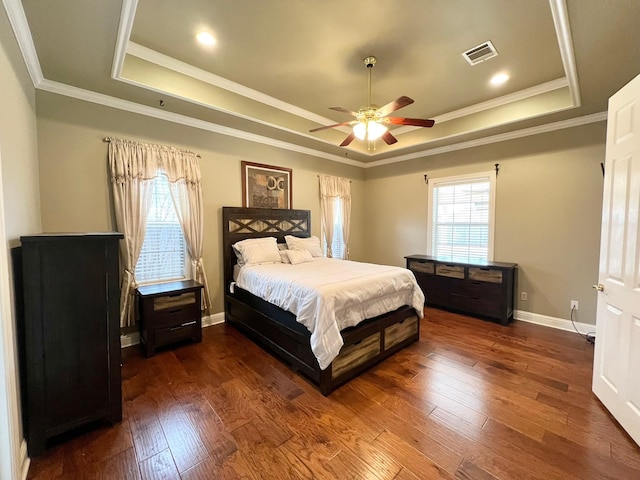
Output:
x,y
164,255
337,244
461,218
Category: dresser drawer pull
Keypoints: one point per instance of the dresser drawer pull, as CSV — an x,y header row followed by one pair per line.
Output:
x,y
183,325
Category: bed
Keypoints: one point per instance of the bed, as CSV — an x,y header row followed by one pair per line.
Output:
x,y
278,330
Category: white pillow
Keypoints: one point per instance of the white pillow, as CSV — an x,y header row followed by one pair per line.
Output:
x,y
284,257
298,256
255,251
312,244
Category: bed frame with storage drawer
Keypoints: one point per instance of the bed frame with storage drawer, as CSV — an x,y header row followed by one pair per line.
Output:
x,y
485,290
277,330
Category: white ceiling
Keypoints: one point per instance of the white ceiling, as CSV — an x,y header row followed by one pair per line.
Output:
x,y
279,65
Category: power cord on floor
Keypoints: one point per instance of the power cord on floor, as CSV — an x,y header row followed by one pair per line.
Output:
x,y
589,337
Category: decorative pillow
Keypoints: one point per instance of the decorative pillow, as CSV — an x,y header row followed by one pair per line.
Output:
x,y
255,251
284,257
298,256
312,244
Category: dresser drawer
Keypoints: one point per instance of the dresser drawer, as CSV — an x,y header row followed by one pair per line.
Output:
x,y
176,315
421,266
491,291
485,274
167,336
451,271
171,302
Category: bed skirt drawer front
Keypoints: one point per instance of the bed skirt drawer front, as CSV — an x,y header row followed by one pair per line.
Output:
x,y
356,354
399,332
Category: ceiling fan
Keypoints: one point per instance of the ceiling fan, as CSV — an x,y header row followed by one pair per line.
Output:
x,y
370,120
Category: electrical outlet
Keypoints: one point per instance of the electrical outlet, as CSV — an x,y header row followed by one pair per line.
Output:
x,y
574,304
523,296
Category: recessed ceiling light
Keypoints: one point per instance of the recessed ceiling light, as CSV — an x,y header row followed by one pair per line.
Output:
x,y
499,79
206,38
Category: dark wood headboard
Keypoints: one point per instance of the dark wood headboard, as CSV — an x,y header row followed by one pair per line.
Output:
x,y
239,223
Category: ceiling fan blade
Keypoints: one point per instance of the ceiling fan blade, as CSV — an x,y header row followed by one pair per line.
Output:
x,y
343,110
416,122
331,126
348,140
388,138
397,104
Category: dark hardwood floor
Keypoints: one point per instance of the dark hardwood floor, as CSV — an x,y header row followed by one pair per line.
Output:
x,y
471,400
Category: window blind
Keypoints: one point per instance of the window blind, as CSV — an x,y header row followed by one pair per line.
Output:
x,y
461,221
163,256
337,243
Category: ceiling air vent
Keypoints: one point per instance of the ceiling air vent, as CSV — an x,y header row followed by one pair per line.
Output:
x,y
480,53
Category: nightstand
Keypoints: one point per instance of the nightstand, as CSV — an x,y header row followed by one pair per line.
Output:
x,y
169,313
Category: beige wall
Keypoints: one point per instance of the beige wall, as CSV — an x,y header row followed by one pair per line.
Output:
x,y
549,194
548,212
20,214
75,190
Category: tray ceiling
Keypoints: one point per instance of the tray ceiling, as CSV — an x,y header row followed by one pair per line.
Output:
x,y
278,66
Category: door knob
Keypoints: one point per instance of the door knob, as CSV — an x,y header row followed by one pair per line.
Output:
x,y
599,287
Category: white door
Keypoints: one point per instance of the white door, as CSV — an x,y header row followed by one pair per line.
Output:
x,y
616,369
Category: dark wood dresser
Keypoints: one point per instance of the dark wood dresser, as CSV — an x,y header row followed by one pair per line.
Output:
x,y
485,290
68,298
169,313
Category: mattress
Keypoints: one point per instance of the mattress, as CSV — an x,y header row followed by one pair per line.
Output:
x,y
328,295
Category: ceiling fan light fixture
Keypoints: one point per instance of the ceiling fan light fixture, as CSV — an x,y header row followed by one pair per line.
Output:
x,y
369,130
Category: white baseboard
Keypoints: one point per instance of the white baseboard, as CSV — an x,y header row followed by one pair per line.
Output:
x,y
553,322
213,319
133,338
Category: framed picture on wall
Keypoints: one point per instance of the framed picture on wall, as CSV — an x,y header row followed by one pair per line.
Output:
x,y
265,186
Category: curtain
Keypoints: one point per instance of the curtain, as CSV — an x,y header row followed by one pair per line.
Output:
x,y
183,171
133,168
332,188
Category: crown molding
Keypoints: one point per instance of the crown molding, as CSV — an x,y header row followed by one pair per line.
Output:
x,y
128,106
502,137
563,32
20,26
494,102
127,17
212,79
123,47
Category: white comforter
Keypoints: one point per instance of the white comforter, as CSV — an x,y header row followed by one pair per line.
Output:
x,y
328,295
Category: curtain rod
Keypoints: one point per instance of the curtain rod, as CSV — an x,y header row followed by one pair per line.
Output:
x,y
108,140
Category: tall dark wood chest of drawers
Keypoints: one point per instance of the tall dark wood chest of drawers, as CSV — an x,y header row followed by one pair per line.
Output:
x,y
69,335
486,290
169,313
